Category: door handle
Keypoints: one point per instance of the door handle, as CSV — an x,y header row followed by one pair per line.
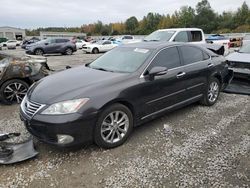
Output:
x,y
210,65
180,75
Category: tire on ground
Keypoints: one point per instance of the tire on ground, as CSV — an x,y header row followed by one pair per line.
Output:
x,y
98,138
3,96
205,100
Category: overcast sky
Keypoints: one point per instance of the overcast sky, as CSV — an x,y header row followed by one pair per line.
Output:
x,y
64,13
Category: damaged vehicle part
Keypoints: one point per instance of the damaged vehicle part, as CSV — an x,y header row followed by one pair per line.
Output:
x,y
17,74
103,101
6,136
218,49
239,62
14,153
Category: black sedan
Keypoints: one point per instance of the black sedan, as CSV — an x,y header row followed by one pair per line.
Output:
x,y
104,100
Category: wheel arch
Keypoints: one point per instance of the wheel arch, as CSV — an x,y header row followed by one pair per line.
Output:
x,y
124,102
95,48
26,79
218,76
39,48
68,47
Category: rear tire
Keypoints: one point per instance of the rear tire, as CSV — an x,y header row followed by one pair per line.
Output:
x,y
113,126
13,91
212,92
68,51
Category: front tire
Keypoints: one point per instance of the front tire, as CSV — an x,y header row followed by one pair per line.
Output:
x,y
95,51
114,126
13,91
212,92
38,52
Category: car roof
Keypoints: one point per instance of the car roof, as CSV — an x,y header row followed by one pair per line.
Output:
x,y
152,45
160,45
181,29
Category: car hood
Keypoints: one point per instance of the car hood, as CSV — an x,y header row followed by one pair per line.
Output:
x,y
239,57
35,44
71,84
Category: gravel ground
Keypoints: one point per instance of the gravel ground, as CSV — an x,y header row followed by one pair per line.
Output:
x,y
195,146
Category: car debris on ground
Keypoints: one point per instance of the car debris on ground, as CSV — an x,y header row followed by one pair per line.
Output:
x,y
11,153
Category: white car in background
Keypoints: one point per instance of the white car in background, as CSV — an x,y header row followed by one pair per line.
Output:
x,y
100,46
81,43
10,44
127,39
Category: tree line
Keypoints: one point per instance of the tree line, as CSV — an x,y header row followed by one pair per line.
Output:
x,y
202,16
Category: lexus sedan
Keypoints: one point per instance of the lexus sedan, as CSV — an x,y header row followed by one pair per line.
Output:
x,y
104,100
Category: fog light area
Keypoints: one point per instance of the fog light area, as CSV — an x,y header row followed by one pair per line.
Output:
x,y
64,139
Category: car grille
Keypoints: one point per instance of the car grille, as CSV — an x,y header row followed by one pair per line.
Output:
x,y
84,47
30,108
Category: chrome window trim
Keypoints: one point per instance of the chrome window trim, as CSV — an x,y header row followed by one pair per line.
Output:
x,y
182,66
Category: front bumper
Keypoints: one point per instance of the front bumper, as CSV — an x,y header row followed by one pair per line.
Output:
x,y
46,128
87,50
28,51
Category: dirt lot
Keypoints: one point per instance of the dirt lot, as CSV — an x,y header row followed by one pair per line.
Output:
x,y
201,147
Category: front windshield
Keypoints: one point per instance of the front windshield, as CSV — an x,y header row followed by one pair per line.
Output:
x,y
160,36
245,49
122,59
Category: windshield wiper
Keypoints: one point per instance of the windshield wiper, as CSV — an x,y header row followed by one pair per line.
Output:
x,y
101,69
152,40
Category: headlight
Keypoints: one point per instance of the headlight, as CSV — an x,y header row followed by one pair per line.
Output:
x,y
65,107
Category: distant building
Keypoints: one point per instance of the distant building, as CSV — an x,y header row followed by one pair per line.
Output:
x,y
12,33
45,34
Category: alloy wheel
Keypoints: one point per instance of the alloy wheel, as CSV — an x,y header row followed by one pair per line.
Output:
x,y
68,51
15,92
114,126
39,52
213,91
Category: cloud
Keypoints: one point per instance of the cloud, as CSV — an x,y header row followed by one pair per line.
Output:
x,y
42,13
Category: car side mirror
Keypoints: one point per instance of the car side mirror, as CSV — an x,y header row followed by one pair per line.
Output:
x,y
157,71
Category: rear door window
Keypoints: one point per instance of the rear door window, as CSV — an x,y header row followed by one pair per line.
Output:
x,y
191,54
127,37
107,42
168,57
196,36
61,40
181,37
